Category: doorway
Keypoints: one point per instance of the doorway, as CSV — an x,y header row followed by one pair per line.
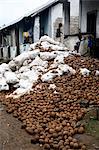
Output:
x,y
91,22
44,23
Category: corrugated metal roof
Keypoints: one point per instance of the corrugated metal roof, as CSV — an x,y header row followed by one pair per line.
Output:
x,y
43,7
34,12
12,23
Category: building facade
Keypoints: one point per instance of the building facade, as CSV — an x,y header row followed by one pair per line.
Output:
x,y
89,21
52,19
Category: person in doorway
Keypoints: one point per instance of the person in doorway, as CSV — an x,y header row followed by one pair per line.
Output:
x,y
76,47
79,35
90,44
59,32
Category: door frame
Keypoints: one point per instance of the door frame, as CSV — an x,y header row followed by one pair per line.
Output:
x,y
89,13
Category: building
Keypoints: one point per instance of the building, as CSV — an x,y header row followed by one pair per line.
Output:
x,y
52,19
74,16
89,21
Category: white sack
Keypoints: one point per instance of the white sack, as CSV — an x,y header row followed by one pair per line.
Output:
x,y
48,76
84,71
19,60
3,84
24,69
31,75
38,62
52,86
59,59
34,45
47,55
48,39
63,68
11,77
26,62
97,73
64,53
33,54
58,48
4,67
19,92
26,84
45,45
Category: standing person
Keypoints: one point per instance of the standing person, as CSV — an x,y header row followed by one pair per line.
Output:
x,y
76,47
79,35
90,44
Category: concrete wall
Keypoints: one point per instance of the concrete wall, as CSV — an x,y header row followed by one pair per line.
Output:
x,y
70,42
56,12
74,16
50,20
74,7
13,51
74,25
44,21
21,40
36,29
66,11
13,39
49,23
88,6
5,52
97,28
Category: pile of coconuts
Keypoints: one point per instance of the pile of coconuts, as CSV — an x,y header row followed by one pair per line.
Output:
x,y
51,116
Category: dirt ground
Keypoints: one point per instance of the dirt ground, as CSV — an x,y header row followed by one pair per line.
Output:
x,y
12,137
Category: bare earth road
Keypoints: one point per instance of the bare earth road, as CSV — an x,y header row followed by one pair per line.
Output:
x,y
12,137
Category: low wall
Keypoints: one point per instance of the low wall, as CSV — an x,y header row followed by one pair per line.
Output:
x,y
70,41
8,53
74,25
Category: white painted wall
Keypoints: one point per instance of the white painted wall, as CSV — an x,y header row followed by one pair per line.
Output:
x,y
74,16
9,40
21,40
66,20
5,52
13,51
97,28
56,12
88,6
36,29
74,7
49,23
13,37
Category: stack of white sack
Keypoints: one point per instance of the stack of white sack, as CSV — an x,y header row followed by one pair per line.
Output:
x,y
3,84
3,68
18,61
24,70
48,44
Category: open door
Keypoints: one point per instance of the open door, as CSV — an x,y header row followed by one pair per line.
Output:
x,y
91,22
44,23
